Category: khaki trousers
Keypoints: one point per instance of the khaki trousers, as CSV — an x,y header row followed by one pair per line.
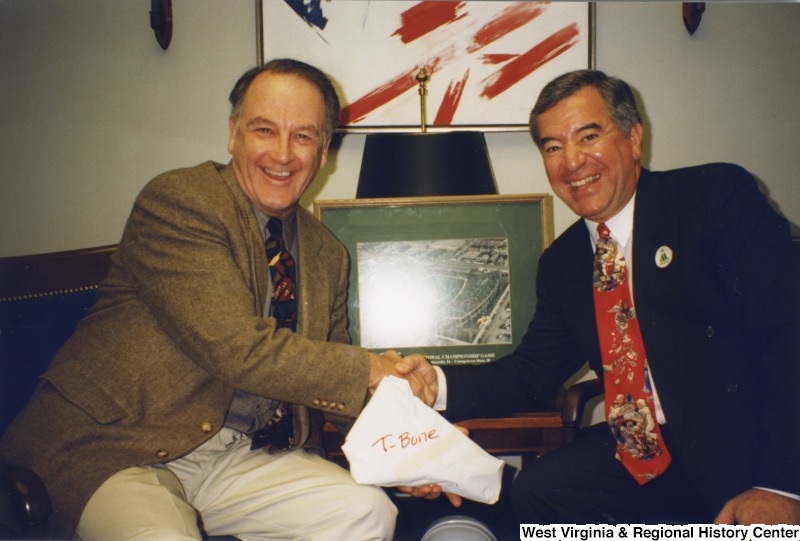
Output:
x,y
226,489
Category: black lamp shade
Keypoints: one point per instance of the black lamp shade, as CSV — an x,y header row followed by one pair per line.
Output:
x,y
425,164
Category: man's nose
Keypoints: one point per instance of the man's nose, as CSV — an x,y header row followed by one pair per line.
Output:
x,y
574,158
281,150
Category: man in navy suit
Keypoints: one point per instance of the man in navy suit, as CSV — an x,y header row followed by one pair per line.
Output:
x,y
715,282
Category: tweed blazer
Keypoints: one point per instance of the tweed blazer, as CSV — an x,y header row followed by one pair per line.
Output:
x,y
150,372
720,324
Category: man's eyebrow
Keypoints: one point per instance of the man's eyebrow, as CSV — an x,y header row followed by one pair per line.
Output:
x,y
310,128
590,126
544,140
259,120
585,127
263,120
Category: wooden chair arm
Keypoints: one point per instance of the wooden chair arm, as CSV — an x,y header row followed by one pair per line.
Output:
x,y
515,421
526,434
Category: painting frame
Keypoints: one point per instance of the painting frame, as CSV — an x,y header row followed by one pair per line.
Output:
x,y
495,294
465,91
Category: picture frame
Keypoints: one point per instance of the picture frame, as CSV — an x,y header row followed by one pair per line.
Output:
x,y
486,60
451,277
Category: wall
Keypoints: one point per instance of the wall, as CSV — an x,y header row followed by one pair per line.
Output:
x,y
91,108
725,94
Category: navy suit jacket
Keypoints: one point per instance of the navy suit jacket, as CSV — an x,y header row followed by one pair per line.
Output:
x,y
719,323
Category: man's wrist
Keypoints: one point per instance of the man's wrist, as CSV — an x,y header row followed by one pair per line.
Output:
x,y
441,396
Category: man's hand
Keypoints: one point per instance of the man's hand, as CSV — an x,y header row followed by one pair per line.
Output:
x,y
386,365
418,365
433,491
757,506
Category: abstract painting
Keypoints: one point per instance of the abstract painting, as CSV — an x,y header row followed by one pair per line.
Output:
x,y
486,60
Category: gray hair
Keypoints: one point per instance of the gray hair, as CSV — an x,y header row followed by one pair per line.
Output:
x,y
615,92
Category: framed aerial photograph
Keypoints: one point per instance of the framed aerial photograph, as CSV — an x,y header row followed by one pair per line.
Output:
x,y
450,277
486,60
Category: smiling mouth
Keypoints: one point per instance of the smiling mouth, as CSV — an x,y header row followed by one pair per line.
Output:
x,y
279,174
578,184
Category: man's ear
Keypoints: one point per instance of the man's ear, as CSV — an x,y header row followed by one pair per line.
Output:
x,y
635,140
324,158
231,133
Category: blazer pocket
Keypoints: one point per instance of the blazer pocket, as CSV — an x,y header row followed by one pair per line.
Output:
x,y
92,399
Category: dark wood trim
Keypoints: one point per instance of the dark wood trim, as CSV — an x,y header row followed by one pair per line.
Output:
x,y
55,273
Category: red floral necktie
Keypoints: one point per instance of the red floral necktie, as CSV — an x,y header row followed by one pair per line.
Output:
x,y
630,410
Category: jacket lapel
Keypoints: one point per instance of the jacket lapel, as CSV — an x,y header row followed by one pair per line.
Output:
x,y
256,259
313,290
576,276
656,228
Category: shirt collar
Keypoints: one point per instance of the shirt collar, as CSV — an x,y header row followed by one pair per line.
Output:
x,y
289,224
620,225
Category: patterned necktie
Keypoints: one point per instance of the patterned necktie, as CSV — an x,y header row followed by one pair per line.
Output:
x,y
278,434
629,399
282,271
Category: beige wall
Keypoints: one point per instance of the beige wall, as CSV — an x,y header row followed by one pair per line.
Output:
x,y
91,108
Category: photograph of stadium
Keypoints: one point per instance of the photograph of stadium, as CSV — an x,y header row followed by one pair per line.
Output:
x,y
429,293
441,276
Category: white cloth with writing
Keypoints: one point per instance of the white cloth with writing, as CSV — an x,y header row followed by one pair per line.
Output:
x,y
399,441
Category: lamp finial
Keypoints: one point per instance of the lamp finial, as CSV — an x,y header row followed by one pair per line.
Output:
x,y
422,78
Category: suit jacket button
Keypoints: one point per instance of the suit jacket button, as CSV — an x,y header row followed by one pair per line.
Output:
x,y
206,427
710,331
324,403
162,453
340,407
732,387
315,402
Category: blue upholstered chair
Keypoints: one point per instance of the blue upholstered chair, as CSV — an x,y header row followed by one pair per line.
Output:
x,y
42,298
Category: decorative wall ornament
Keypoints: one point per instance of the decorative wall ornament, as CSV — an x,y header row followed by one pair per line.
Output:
x,y
161,21
692,15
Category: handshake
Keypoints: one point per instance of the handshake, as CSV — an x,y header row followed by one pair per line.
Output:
x,y
415,368
423,380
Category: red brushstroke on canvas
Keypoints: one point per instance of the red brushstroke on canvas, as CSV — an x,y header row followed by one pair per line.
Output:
x,y
385,93
426,17
507,21
450,101
496,58
528,62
